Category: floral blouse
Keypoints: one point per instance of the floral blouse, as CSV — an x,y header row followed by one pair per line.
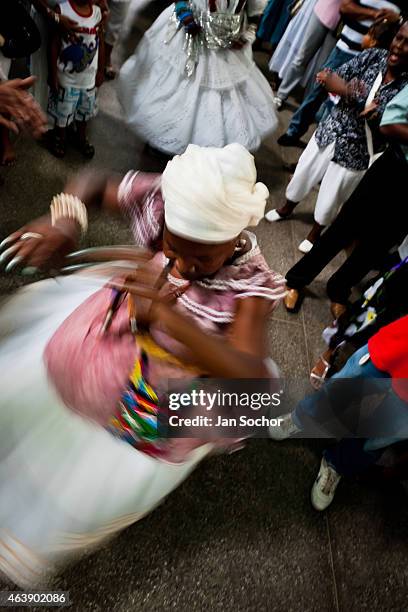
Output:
x,y
344,126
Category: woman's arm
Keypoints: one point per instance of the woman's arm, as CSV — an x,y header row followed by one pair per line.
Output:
x,y
240,355
16,101
353,11
66,25
39,242
396,132
96,190
332,83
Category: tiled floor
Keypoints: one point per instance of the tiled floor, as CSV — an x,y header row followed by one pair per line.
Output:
x,y
240,534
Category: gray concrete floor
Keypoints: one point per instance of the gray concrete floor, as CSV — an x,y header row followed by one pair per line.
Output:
x,y
240,533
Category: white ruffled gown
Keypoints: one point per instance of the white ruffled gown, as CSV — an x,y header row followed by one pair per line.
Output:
x,y
226,100
65,484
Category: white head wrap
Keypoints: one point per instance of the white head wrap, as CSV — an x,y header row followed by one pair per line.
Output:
x,y
211,195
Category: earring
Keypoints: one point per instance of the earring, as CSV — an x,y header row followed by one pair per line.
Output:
x,y
241,244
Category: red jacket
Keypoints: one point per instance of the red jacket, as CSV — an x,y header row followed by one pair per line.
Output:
x,y
389,353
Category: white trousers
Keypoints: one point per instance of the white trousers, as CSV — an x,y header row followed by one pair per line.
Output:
x,y
337,182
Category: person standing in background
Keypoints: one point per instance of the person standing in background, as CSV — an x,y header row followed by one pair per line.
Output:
x,y
273,24
118,10
359,16
323,22
76,71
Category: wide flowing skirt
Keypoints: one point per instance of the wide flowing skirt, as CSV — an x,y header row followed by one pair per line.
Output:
x,y
65,483
226,100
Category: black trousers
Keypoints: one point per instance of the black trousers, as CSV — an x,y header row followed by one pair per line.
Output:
x,y
376,216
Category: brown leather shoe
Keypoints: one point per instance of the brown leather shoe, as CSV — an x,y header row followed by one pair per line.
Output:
x,y
292,300
337,309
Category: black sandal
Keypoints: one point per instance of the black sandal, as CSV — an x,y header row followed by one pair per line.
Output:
x,y
86,148
82,145
57,146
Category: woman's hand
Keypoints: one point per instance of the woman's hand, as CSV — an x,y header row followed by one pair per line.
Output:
x,y
371,111
17,103
332,82
336,85
323,76
151,293
39,244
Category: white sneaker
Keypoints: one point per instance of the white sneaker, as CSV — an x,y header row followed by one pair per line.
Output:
x,y
325,486
277,101
305,246
285,429
273,215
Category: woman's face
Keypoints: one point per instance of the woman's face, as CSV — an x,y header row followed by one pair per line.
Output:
x,y
194,260
398,57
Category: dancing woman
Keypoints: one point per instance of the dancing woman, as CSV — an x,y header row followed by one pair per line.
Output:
x,y
193,80
73,469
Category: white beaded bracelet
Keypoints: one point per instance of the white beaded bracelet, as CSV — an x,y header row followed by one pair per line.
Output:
x,y
66,206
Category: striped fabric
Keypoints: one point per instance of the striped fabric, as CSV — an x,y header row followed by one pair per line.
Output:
x,y
354,31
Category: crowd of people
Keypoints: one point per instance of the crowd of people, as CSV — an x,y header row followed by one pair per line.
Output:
x,y
86,359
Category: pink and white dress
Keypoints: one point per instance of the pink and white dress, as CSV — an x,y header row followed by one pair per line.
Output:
x,y
60,384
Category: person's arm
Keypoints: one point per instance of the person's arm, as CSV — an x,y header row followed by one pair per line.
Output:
x,y
396,132
100,75
18,104
352,11
332,83
66,25
96,190
241,355
49,244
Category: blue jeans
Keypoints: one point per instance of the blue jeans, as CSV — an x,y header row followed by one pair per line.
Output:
x,y
305,114
351,456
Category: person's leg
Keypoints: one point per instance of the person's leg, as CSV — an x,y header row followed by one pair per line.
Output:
x,y
61,108
314,37
336,187
85,110
333,240
349,456
310,170
376,228
322,413
306,112
360,261
335,397
384,426
7,152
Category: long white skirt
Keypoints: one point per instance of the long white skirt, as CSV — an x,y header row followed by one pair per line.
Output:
x,y
226,100
65,484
